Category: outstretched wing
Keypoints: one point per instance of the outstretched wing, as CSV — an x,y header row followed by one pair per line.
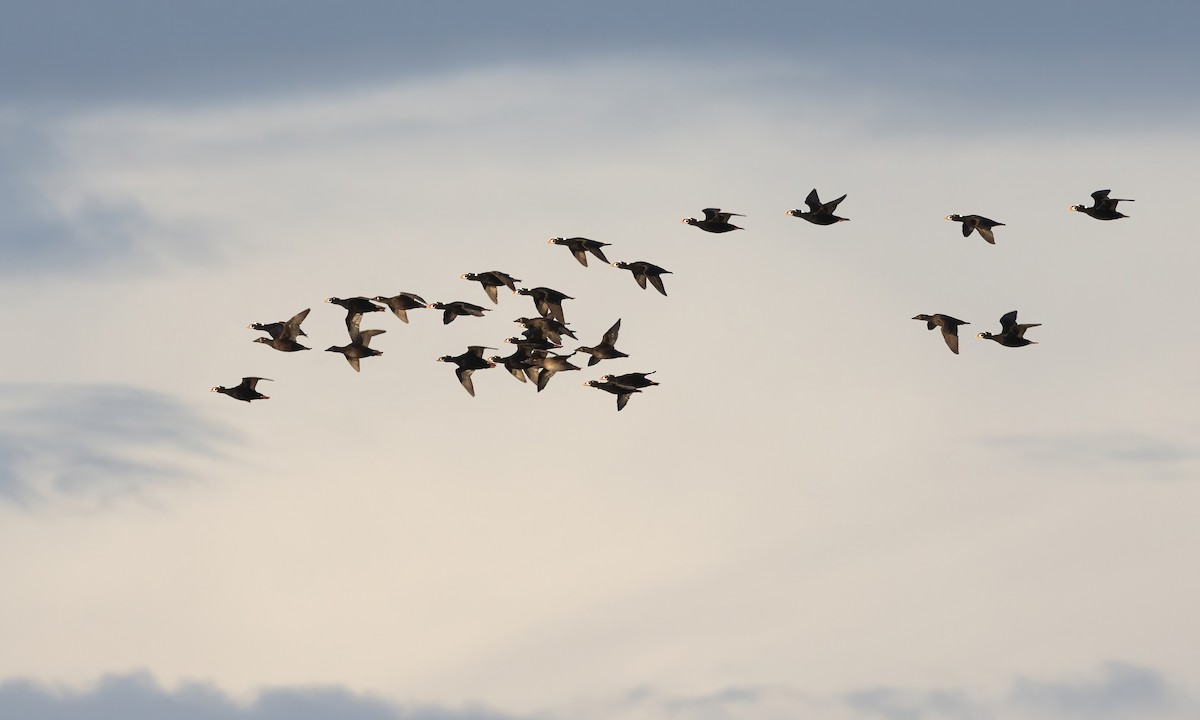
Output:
x,y
610,337
830,206
248,383
656,281
812,201
986,234
1008,320
464,377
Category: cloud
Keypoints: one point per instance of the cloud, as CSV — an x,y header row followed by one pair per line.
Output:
x,y
94,441
49,228
137,50
139,697
1122,691
1158,457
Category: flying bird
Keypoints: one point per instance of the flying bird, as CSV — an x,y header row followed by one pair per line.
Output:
x,y
631,380
547,328
289,329
606,349
468,363
714,221
402,303
1103,207
949,326
243,390
491,280
360,342
452,310
1011,334
622,392
819,213
643,271
547,301
549,365
580,247
978,223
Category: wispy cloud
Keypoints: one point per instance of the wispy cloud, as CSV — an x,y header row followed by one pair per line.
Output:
x,y
1155,457
139,697
50,228
94,441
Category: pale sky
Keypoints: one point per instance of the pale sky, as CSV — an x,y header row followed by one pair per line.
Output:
x,y
819,513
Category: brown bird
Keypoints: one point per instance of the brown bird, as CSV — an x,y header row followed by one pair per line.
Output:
x,y
468,363
492,280
643,271
452,310
949,326
580,247
622,392
1103,207
606,349
402,303
1011,334
978,223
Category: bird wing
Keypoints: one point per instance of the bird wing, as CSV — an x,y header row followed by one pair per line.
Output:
x,y
641,279
580,255
1019,330
812,201
291,329
448,315
950,335
610,337
364,337
594,248
711,214
986,234
967,227
464,377
352,321
830,206
623,400
657,282
1008,320
248,383
491,292
353,360
543,378
1100,198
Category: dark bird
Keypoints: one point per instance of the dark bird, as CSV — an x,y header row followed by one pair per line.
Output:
x,y
243,390
518,364
948,325
819,213
978,223
714,221
547,301
288,330
492,280
281,344
452,310
355,307
402,303
549,365
548,328
631,380
468,363
533,343
622,392
606,350
643,271
580,247
1011,334
360,341
1103,207
355,304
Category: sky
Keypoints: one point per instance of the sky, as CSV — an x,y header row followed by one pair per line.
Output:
x,y
820,512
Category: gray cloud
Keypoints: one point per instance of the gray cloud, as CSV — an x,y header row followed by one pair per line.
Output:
x,y
988,55
1156,456
39,238
139,697
1122,691
94,441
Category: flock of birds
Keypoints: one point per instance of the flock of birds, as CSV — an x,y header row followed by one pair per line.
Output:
x,y
535,358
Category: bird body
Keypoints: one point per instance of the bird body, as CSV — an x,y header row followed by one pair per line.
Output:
x,y
1011,334
580,247
491,280
548,328
1103,207
631,380
286,330
281,344
977,223
402,303
452,310
245,390
714,221
643,271
606,349
949,326
547,301
622,392
819,213
467,363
